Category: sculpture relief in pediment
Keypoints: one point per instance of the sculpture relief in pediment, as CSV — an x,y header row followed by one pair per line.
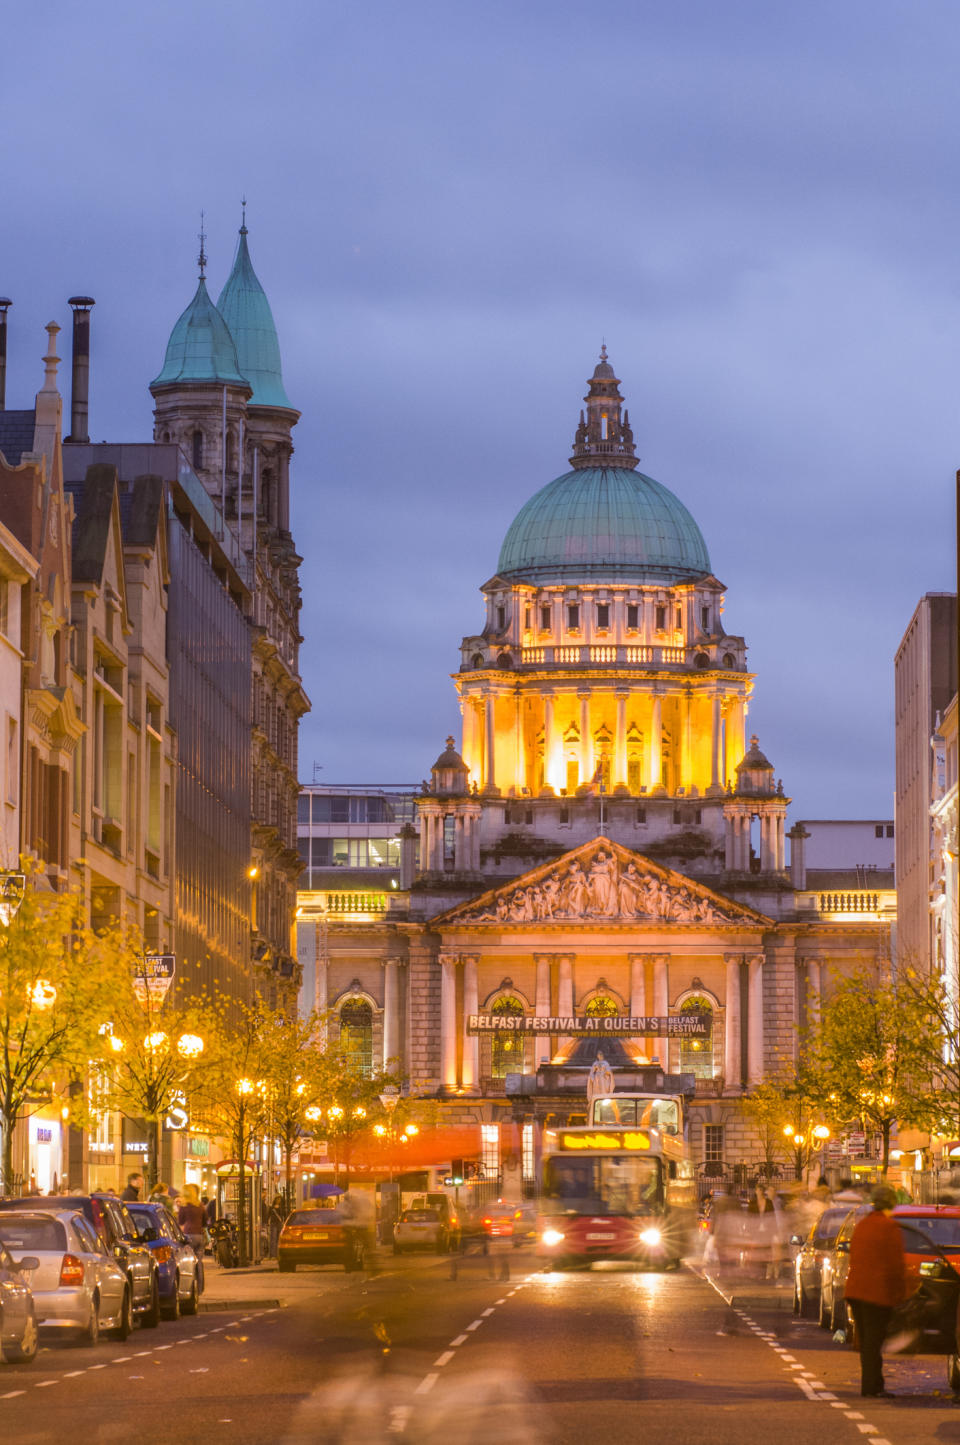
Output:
x,y
596,887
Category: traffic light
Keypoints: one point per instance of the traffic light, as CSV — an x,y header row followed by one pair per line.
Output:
x,y
456,1171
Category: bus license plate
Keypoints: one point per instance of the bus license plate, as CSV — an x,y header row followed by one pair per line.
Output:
x,y
604,1237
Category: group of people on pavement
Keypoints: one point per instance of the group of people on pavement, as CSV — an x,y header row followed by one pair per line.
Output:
x,y
193,1212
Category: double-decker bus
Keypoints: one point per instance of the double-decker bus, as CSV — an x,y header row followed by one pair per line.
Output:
x,y
621,1187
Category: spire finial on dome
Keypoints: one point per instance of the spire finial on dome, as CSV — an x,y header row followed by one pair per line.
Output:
x,y
202,258
606,440
243,216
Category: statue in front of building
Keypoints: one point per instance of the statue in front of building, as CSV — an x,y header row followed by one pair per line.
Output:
x,y
600,1082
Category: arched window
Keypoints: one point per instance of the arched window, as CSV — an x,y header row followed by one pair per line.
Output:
x,y
696,1055
506,1052
356,1035
602,1006
197,450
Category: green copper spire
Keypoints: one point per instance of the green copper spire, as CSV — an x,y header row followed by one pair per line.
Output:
x,y
244,307
200,346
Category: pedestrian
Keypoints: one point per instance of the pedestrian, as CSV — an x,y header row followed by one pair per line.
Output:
x,y
190,1216
276,1214
160,1194
210,1209
876,1284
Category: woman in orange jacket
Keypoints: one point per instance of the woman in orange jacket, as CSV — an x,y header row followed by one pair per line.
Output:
x,y
876,1284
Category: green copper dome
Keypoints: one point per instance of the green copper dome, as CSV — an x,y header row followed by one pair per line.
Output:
x,y
244,307
603,523
201,347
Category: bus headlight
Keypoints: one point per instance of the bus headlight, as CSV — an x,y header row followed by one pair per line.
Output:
x,y
550,1237
651,1237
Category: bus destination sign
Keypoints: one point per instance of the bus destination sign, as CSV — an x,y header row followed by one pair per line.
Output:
x,y
684,1026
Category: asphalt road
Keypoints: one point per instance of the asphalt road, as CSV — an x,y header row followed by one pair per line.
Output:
x,y
409,1353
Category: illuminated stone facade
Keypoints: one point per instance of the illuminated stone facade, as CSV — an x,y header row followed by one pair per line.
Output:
x,y
607,839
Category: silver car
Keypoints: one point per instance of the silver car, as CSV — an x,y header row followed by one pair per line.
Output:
x,y
78,1288
18,1319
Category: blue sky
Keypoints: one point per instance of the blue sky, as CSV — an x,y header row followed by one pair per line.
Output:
x,y
449,206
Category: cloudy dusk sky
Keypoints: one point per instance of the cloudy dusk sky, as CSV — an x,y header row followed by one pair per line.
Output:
x,y
450,205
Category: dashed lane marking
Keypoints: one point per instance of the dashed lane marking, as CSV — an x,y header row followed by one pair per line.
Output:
x,y
12,1394
476,1325
485,1313
461,1339
42,1384
444,1359
426,1384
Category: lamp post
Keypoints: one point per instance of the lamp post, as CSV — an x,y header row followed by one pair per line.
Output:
x,y
388,1218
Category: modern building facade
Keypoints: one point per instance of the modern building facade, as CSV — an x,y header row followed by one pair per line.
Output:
x,y
607,842
925,679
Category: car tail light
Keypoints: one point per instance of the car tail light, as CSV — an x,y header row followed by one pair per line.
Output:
x,y
164,1254
294,1231
71,1270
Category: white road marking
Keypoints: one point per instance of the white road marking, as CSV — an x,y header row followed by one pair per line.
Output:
x,y
485,1313
500,1302
476,1325
399,1416
426,1384
12,1394
70,1374
458,1341
140,1354
120,1360
96,1367
42,1384
199,1337
854,1415
444,1359
867,1429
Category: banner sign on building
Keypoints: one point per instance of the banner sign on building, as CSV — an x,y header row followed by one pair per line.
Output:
x,y
153,977
685,1026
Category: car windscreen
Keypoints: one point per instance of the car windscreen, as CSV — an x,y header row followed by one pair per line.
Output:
x,y
145,1219
419,1216
23,1231
942,1232
828,1225
316,1216
607,1185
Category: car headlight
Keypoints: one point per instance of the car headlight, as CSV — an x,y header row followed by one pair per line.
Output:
x,y
651,1236
550,1237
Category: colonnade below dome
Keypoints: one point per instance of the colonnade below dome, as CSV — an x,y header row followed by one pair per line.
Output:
x,y
526,737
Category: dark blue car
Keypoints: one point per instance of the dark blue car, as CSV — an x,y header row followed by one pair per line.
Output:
x,y
181,1269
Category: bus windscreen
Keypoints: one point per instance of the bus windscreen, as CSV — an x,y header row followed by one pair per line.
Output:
x,y
606,1185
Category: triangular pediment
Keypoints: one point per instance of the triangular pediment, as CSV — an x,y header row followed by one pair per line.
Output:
x,y
602,883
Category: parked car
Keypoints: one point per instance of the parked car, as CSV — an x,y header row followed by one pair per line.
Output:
x,y
18,1317
447,1210
930,1231
833,1279
78,1288
181,1269
808,1264
111,1220
321,1236
420,1229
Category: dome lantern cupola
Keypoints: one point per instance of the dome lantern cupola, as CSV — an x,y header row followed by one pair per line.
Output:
x,y
602,438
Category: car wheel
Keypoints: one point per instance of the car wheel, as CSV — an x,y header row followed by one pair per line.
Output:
x,y
191,1304
286,1266
953,1373
25,1351
797,1299
124,1325
90,1334
151,1316
171,1310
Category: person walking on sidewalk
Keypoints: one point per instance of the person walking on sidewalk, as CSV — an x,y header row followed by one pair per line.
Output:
x,y
876,1284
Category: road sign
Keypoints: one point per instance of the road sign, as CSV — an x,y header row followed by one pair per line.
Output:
x,y
153,975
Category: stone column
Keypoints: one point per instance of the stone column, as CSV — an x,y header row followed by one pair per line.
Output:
x,y
716,739
661,1005
565,988
779,843
755,1020
814,994
470,1074
541,1042
732,1038
654,766
638,991
489,750
391,1014
586,741
686,778
448,1021
320,978
736,745
766,848
798,864
547,738
619,778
